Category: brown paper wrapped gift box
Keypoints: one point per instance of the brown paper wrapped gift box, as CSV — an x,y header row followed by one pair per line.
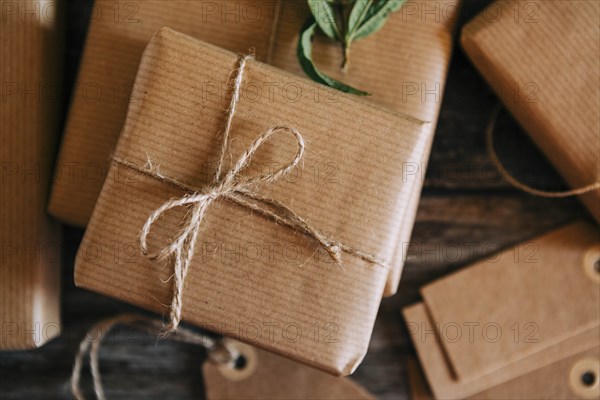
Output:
x,y
29,267
543,59
321,314
414,46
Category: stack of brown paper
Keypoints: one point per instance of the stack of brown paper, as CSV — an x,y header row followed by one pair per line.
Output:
x,y
403,66
250,275
543,59
531,307
31,94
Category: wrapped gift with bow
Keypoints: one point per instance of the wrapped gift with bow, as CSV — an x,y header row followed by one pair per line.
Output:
x,y
270,216
403,66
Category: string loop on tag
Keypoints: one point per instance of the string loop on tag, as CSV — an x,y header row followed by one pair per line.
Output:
x,y
239,190
489,133
218,350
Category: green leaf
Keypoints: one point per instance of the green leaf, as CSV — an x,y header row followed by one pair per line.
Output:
x,y
359,12
394,4
309,67
325,16
377,17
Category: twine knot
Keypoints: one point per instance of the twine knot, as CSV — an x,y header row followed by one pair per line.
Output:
x,y
233,186
182,247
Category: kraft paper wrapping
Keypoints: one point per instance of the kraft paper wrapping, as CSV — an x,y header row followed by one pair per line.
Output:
x,y
30,65
505,317
543,60
115,42
403,66
251,278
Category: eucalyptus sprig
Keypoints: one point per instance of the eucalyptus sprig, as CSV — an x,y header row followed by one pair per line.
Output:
x,y
345,21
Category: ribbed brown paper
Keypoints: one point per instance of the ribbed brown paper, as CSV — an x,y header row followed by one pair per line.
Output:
x,y
543,59
115,42
249,271
403,66
30,66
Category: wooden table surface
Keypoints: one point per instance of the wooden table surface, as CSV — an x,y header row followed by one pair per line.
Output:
x,y
466,213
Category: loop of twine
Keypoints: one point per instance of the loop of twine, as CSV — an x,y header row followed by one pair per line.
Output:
x,y
217,350
489,133
233,187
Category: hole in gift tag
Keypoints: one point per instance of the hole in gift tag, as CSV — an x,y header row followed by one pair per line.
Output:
x,y
588,378
584,378
591,263
243,365
240,362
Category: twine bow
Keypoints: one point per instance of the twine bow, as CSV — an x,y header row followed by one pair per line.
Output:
x,y
235,188
232,187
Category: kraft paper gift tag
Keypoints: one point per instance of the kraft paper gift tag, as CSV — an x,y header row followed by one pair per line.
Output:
x,y
418,385
247,270
574,377
442,379
543,60
30,66
231,370
511,314
415,47
266,375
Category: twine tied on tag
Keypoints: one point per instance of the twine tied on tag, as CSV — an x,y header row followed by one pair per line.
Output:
x,y
218,351
236,189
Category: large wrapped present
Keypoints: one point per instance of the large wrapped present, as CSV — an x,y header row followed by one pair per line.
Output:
x,y
287,238
403,67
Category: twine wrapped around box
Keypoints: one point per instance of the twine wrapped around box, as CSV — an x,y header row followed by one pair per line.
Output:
x,y
249,278
237,190
397,76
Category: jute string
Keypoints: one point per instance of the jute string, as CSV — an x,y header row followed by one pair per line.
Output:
x,y
217,350
233,187
514,181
